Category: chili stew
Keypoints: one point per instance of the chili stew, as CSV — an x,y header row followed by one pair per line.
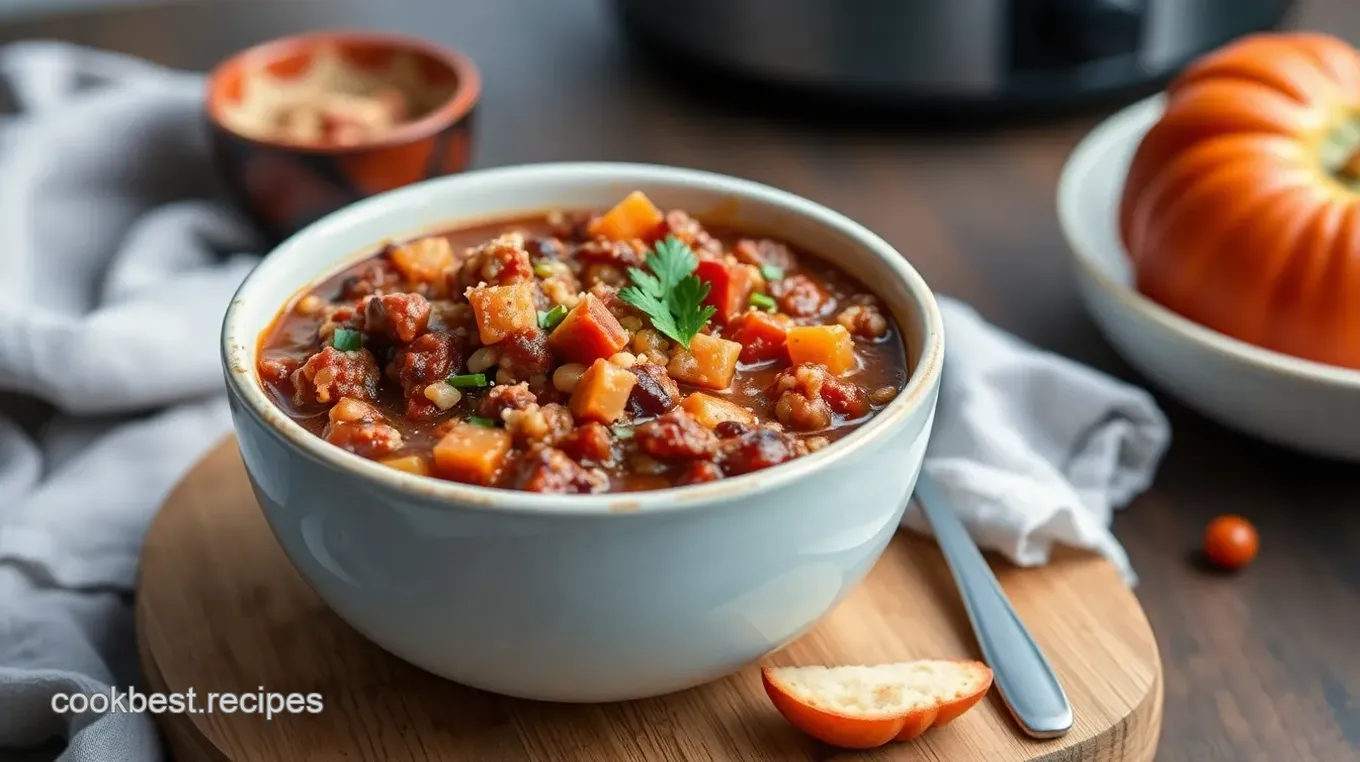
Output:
x,y
585,352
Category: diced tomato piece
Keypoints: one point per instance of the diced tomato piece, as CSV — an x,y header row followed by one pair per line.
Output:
x,y
633,217
471,453
729,287
602,393
503,310
709,362
828,345
762,336
699,472
588,333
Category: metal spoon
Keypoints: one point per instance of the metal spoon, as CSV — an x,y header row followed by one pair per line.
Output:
x,y
1026,681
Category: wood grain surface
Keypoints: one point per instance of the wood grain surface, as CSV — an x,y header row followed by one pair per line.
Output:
x,y
219,609
1260,667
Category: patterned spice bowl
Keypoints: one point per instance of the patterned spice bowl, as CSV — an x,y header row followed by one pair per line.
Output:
x,y
302,126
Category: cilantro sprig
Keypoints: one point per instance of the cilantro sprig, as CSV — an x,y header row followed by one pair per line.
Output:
x,y
670,294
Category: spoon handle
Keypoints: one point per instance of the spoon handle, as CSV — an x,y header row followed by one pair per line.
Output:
x,y
1027,683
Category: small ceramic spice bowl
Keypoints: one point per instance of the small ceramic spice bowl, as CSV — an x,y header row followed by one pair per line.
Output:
x,y
305,125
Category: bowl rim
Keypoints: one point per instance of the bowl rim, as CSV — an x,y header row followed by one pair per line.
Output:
x,y
243,383
1092,150
459,104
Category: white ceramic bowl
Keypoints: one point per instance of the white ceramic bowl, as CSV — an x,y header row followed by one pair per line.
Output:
x,y
1296,403
582,598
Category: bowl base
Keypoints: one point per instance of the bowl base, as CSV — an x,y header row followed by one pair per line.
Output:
x,y
220,609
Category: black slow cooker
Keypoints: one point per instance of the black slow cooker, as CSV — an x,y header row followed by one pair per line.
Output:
x,y
925,52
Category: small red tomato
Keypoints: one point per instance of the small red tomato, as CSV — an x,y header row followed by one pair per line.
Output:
x,y
1230,542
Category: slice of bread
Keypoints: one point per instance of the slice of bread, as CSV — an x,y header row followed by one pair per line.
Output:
x,y
860,707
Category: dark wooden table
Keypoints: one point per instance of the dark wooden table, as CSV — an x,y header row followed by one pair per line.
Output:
x,y
1262,667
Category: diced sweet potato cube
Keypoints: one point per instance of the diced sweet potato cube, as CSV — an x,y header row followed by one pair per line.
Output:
x,y
423,260
828,345
633,217
711,411
709,362
351,410
503,310
602,393
762,335
472,454
411,464
589,332
729,287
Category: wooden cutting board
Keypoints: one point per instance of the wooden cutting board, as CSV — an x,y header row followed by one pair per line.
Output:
x,y
218,603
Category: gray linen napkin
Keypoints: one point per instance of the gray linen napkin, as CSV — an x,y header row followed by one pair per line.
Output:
x,y
118,265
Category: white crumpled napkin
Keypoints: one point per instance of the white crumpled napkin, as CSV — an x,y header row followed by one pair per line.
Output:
x,y
118,263
1033,449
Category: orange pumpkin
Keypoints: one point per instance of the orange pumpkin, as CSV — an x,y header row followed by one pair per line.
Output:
x,y
1241,210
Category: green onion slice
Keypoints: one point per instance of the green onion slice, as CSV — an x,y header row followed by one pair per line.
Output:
x,y
346,340
771,272
549,320
763,301
622,432
544,270
477,420
467,381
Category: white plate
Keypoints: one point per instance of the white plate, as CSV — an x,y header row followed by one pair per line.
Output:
x,y
1297,403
